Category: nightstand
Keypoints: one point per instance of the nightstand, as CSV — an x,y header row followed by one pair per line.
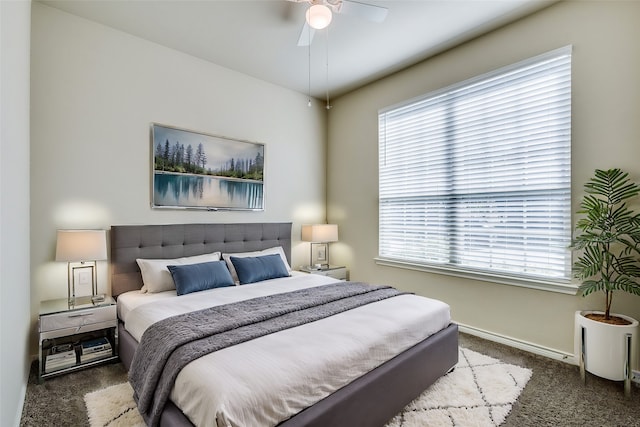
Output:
x,y
337,272
72,337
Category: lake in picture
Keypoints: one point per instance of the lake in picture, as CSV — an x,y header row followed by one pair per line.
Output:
x,y
203,191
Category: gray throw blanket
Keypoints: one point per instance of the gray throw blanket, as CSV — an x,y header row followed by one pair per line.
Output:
x,y
170,344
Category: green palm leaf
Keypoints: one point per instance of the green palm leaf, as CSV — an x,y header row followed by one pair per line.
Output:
x,y
613,184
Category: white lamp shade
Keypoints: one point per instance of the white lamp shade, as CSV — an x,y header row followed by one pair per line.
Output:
x,y
320,233
81,245
318,16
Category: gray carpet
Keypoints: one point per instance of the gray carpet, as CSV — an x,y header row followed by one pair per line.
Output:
x,y
555,395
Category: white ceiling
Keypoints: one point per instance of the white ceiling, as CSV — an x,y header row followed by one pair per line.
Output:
x,y
259,37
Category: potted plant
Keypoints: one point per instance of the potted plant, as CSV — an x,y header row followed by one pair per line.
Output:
x,y
608,240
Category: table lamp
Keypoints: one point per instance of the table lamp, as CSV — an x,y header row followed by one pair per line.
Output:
x,y
81,249
320,235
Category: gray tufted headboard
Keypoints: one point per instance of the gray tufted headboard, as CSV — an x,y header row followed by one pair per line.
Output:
x,y
129,242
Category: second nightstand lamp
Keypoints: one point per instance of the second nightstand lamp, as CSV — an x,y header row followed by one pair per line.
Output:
x,y
320,235
81,249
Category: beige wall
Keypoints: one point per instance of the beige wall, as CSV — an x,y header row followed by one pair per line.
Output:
x,y
15,335
605,133
95,92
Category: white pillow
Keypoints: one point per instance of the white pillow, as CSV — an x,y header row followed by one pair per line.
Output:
x,y
275,250
156,276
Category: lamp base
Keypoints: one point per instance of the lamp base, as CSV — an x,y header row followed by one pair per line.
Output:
x,y
319,255
323,267
97,298
317,267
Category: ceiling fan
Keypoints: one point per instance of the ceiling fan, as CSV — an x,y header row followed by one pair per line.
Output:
x,y
319,15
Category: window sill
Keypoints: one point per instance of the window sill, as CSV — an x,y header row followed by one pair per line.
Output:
x,y
562,287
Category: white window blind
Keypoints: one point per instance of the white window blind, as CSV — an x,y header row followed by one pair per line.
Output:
x,y
477,176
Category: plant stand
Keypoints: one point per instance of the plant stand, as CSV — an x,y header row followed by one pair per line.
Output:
x,y
605,350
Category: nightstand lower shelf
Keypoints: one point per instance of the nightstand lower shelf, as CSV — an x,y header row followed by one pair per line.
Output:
x,y
78,367
47,344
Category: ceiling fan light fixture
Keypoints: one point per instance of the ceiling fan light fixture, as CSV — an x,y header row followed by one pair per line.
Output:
x,y
318,16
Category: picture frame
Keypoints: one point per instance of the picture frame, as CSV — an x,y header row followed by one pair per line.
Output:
x,y
195,170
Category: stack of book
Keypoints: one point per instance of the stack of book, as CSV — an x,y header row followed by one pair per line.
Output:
x,y
61,360
98,348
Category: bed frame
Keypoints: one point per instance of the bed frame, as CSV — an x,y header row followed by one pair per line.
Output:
x,y
370,400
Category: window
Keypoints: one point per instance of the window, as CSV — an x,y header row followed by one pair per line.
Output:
x,y
475,179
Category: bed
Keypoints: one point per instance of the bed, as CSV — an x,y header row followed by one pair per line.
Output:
x,y
371,398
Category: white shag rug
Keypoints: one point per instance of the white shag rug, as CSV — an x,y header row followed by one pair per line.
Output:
x,y
479,392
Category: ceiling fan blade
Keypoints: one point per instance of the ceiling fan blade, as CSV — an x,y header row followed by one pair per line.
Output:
x,y
363,10
306,35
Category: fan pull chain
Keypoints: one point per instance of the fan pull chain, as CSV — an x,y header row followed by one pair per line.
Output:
x,y
309,67
328,104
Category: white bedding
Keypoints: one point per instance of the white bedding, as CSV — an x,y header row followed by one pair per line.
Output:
x,y
265,381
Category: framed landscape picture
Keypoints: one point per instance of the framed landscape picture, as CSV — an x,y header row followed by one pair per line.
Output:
x,y
193,170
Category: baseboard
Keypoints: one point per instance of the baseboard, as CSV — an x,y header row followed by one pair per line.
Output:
x,y
23,398
519,344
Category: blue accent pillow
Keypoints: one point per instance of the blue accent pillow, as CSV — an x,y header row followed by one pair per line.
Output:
x,y
200,277
256,269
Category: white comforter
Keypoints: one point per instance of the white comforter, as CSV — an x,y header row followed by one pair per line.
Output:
x,y
267,380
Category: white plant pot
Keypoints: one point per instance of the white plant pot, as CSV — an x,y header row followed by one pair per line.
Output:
x,y
605,345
